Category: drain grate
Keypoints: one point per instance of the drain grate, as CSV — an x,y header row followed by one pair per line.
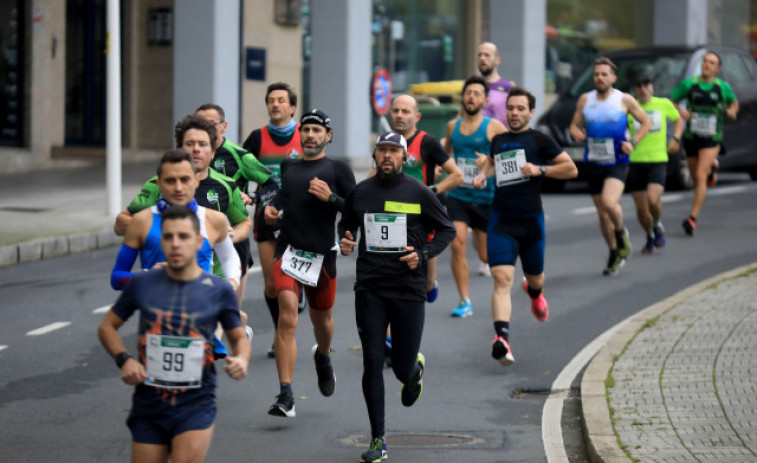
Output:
x,y
401,440
24,209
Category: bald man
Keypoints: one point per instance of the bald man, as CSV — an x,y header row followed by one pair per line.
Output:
x,y
488,61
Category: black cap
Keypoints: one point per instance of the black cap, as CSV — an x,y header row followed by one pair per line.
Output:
x,y
316,116
392,138
642,79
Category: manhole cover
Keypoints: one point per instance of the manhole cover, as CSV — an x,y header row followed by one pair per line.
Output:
x,y
417,440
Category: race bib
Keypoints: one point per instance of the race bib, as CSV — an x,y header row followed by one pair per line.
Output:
x,y
303,266
704,125
469,169
654,117
507,166
385,232
275,172
601,150
174,362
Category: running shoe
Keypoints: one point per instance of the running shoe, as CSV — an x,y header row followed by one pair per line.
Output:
x,y
434,293
463,309
271,353
325,372
388,351
248,331
283,407
501,351
659,236
624,245
484,270
539,306
689,226
614,263
376,452
712,177
411,392
649,246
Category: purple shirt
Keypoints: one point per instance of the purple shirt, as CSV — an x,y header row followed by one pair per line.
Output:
x,y
497,100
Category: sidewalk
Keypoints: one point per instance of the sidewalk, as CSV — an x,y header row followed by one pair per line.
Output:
x,y
678,382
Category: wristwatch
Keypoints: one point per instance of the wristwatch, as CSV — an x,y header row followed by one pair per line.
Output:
x,y
332,198
633,142
122,358
433,188
543,170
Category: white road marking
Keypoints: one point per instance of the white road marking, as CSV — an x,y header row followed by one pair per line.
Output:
x,y
255,269
3,347
551,416
102,309
727,190
584,210
669,198
48,328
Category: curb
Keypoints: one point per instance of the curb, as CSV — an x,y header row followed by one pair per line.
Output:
x,y
601,442
47,248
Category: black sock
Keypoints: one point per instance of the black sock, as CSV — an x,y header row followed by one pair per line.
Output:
x,y
532,292
693,219
619,235
322,359
273,308
286,388
502,329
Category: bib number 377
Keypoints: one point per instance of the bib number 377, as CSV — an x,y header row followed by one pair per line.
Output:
x,y
303,266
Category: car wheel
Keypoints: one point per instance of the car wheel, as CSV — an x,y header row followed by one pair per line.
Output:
x,y
679,177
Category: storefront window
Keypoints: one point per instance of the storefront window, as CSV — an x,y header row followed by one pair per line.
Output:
x,y
11,73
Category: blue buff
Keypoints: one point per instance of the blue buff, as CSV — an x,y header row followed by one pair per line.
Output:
x,y
121,273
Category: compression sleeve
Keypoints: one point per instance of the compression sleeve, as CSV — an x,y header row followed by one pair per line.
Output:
x,y
147,197
253,170
121,273
229,259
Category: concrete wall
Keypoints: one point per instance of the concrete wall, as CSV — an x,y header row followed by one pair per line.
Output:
x,y
283,45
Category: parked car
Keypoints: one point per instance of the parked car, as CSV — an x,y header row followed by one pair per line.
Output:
x,y
667,66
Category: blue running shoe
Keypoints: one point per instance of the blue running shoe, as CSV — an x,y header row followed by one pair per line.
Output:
x,y
434,293
376,452
388,351
649,247
463,309
219,350
659,236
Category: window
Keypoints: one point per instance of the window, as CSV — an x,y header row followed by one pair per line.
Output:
x,y
735,70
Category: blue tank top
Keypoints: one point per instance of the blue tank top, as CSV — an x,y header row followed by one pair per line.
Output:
x,y
465,148
151,252
606,124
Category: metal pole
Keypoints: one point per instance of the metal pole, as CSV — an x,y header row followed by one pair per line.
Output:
x,y
113,107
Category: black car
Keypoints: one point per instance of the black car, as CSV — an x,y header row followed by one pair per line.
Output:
x,y
667,66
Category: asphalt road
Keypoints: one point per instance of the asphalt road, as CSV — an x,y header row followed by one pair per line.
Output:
x,y
61,398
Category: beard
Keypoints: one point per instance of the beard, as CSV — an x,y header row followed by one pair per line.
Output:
x,y
472,111
388,174
314,150
485,71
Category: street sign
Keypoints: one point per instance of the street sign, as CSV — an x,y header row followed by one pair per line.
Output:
x,y
381,92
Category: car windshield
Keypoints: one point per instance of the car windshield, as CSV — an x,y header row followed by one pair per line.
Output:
x,y
665,72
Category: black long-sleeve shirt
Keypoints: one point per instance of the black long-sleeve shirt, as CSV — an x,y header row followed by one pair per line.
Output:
x,y
383,272
309,223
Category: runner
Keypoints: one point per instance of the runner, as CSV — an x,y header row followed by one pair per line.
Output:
x,y
240,166
273,143
173,405
469,138
488,62
395,214
649,161
707,99
312,193
601,121
519,160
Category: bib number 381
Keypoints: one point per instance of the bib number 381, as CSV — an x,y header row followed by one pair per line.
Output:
x,y
303,266
385,232
174,362
508,166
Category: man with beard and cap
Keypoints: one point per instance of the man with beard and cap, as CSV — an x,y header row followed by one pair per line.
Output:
x,y
468,139
601,121
518,160
488,61
395,214
312,193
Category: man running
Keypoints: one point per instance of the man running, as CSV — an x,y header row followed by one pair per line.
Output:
x,y
707,99
468,138
173,405
601,121
240,166
312,193
519,159
271,144
488,62
395,214
424,154
649,161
